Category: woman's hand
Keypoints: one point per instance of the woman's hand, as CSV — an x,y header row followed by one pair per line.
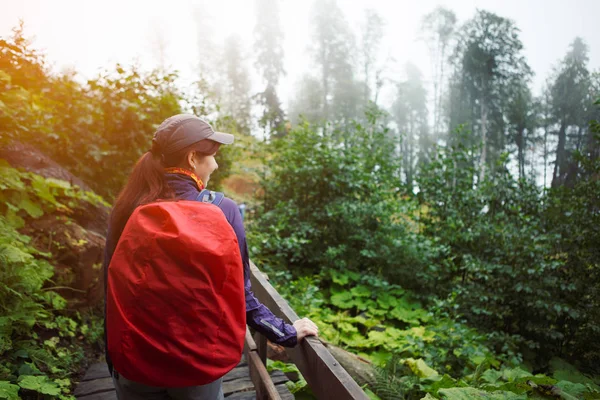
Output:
x,y
305,327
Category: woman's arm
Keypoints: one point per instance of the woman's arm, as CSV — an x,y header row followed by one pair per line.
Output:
x,y
258,316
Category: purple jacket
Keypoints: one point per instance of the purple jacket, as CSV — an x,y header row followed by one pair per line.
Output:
x,y
258,316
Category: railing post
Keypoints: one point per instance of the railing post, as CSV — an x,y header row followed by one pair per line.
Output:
x,y
265,389
324,375
261,347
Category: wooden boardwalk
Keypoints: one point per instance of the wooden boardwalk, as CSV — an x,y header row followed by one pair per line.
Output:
x,y
323,373
97,384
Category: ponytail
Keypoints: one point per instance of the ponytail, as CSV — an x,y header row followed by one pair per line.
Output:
x,y
145,184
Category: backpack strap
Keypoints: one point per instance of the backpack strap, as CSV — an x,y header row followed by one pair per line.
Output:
x,y
208,196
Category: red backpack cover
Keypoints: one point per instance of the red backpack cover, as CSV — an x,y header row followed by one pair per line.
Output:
x,y
175,307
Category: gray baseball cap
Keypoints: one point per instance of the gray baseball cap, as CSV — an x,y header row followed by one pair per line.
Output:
x,y
181,130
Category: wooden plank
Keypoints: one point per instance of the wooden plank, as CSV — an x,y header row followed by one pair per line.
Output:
x,y
325,376
248,342
284,392
95,386
261,347
245,383
264,386
238,385
96,371
112,395
236,373
250,395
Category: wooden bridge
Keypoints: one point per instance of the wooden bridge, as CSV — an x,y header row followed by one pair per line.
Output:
x,y
250,380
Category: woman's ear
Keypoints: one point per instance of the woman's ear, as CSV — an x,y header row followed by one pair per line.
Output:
x,y
190,160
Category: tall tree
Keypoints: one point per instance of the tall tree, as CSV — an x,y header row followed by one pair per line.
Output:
x,y
159,44
209,54
410,115
438,28
522,116
307,101
570,103
268,38
489,67
546,121
371,35
236,93
332,51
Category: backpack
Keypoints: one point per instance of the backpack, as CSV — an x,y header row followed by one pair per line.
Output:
x,y
175,306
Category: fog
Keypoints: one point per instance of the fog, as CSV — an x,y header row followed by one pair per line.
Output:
x,y
521,76
90,36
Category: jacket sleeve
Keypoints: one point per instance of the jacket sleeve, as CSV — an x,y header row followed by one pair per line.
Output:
x,y
258,316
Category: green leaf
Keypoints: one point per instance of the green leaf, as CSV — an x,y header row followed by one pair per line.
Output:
x,y
33,209
371,395
342,300
58,183
282,366
380,357
29,368
361,291
14,255
574,389
420,368
54,299
13,219
42,190
469,393
513,374
386,301
563,371
40,384
437,382
9,391
491,376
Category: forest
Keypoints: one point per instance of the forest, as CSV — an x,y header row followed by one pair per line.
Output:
x,y
451,237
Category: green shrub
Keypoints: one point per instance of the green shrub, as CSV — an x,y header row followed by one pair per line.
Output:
x,y
40,340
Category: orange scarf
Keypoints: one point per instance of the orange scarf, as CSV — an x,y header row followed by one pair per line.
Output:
x,y
177,170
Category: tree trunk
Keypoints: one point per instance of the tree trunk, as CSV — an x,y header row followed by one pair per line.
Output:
x,y
545,153
560,155
409,153
521,151
483,158
441,90
325,83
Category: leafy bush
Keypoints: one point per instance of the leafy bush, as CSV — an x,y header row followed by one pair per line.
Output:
x,y
414,379
376,319
40,340
518,260
507,271
333,198
96,130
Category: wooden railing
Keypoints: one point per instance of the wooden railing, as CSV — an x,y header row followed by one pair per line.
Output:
x,y
324,375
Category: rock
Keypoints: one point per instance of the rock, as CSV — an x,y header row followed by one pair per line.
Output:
x,y
27,157
77,254
19,155
276,352
76,240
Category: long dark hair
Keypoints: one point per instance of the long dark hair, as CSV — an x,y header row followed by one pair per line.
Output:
x,y
147,183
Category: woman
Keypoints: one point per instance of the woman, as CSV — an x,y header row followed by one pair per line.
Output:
x,y
178,167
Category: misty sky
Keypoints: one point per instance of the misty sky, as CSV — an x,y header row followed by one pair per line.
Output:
x,y
91,35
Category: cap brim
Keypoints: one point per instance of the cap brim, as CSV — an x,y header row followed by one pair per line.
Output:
x,y
221,137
